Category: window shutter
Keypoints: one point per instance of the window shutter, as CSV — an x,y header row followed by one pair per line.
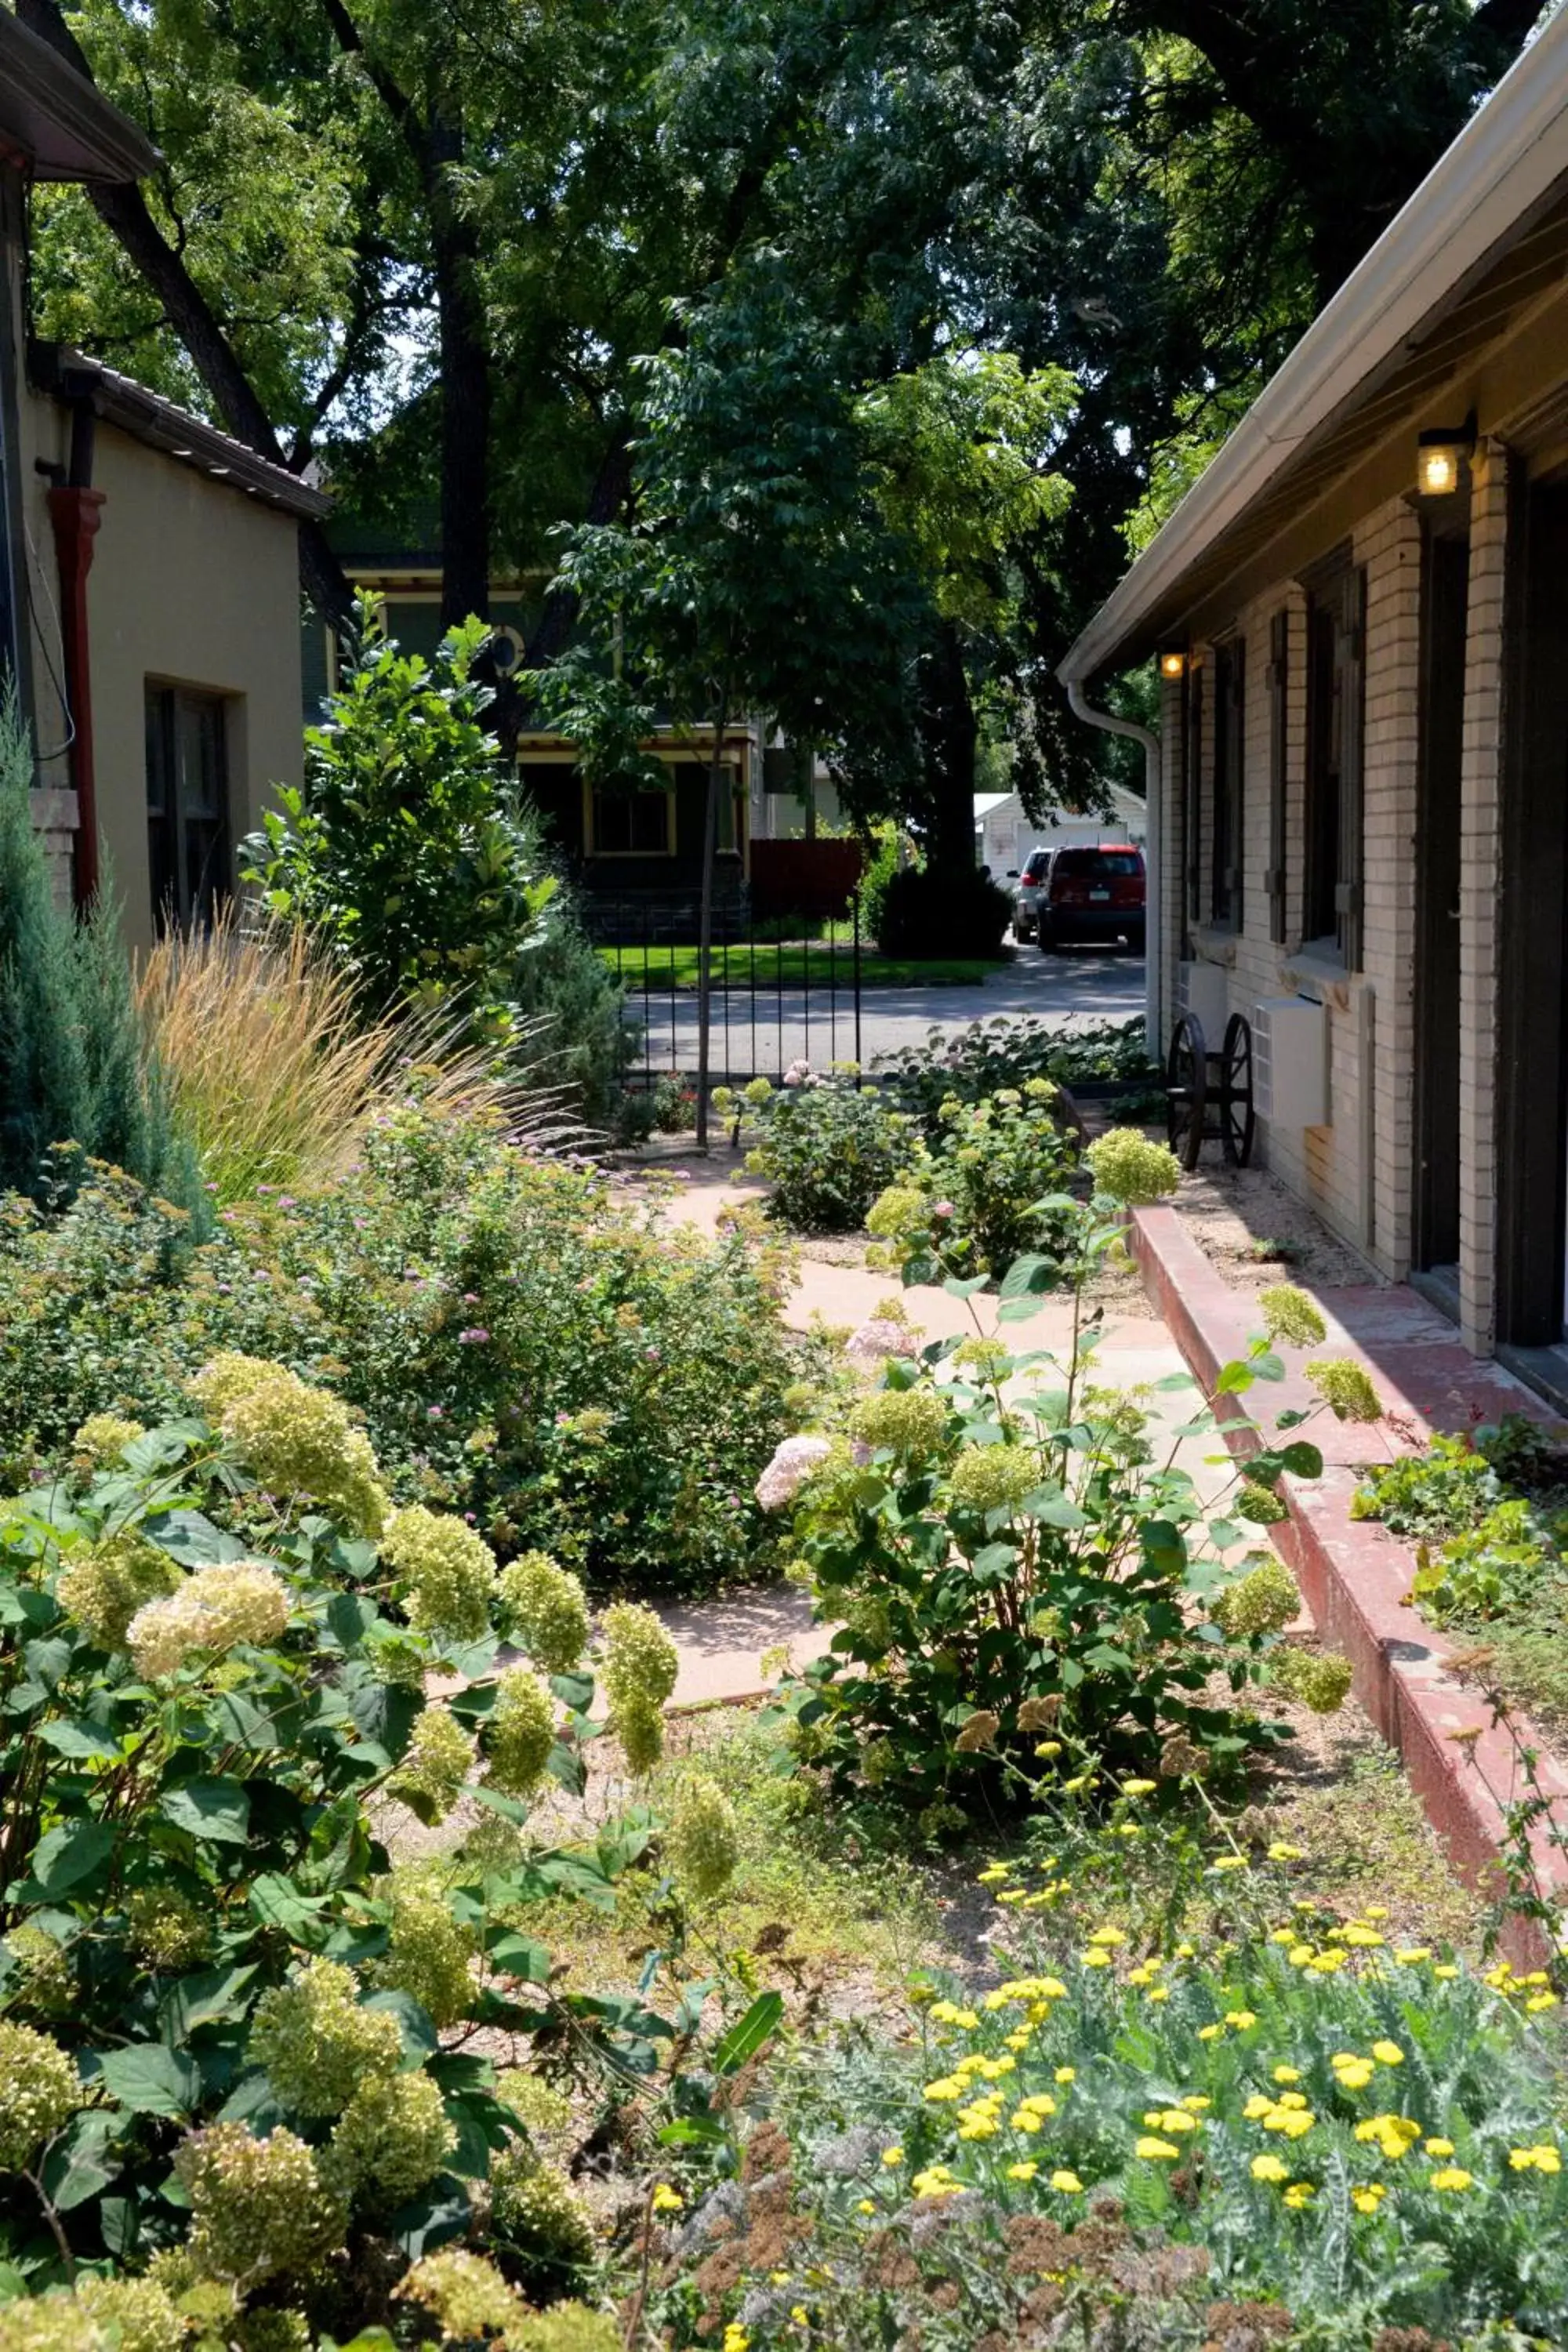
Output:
x,y
1194,800
1236,784
1351,699
1278,707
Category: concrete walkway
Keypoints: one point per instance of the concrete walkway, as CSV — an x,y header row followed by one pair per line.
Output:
x,y
721,1640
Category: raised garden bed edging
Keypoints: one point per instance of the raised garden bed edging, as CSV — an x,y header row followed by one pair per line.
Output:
x,y
1353,1575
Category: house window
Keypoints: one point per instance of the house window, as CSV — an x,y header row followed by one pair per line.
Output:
x,y
1229,752
632,823
1332,898
187,803
1194,767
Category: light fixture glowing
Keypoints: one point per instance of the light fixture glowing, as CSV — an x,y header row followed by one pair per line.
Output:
x,y
1440,459
1172,664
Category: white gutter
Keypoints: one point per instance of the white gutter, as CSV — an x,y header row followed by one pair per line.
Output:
x,y
1152,933
1504,161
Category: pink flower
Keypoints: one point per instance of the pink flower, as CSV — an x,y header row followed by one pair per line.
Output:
x,y
942,1208
877,1339
474,1339
792,1464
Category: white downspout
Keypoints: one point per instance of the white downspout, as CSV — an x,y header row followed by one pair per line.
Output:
x,y
1153,936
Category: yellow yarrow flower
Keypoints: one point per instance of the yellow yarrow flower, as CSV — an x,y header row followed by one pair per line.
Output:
x,y
1108,1935
1242,2019
1368,2198
1542,2158
892,2156
1388,2054
1067,2075
1453,2177
1067,2182
1160,2151
1287,2073
1299,2193
1270,2167
1023,2171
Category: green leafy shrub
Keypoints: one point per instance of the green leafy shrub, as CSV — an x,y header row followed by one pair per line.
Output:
x,y
1016,1579
990,1188
1291,2135
1483,1553
1444,1492
1009,1050
74,1068
827,1146
222,2069
575,1375
409,848
1494,1569
925,914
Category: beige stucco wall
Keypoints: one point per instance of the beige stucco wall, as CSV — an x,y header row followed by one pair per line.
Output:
x,y
195,583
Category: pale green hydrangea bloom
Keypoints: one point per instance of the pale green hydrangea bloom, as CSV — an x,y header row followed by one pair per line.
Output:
x,y
43,1979
993,1477
640,1666
1320,1679
463,2293
212,1610
226,1377
565,2327
898,1209
316,2041
909,1422
301,1441
639,1727
537,2209
703,1839
448,1571
549,1610
391,2139
536,2104
102,1588
259,2207
52,2323
1259,1504
1291,1316
1130,1169
1262,1601
1345,1387
141,2310
40,2090
166,1930
103,1437
434,1766
428,1954
520,1733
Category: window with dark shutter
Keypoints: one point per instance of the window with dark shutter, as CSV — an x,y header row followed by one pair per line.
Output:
x,y
1230,759
187,803
1193,765
1274,881
1331,895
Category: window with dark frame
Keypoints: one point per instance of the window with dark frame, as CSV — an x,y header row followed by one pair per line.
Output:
x,y
1332,882
632,823
1274,881
1194,767
1229,752
188,852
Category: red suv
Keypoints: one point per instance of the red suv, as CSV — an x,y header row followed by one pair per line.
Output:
x,y
1093,894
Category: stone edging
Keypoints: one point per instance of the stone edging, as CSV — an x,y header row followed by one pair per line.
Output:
x,y
1353,1575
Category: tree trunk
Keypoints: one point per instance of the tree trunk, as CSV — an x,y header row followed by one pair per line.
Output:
x,y
705,923
949,737
464,391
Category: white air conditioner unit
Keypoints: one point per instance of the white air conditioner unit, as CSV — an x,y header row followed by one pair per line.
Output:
x,y
1204,990
1291,1062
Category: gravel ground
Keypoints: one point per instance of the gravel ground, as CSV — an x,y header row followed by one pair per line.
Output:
x,y
1254,1232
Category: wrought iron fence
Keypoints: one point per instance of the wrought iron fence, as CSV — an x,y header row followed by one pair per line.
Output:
x,y
782,991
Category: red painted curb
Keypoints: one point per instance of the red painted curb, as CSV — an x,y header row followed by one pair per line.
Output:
x,y
1353,1575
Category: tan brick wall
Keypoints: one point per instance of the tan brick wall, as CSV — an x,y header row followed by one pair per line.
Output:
x,y
1481,782
53,813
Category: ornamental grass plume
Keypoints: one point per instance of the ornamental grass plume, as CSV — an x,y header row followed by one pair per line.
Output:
x,y
1263,1602
391,2140
214,1610
1345,1388
317,2044
428,1954
703,1840
447,1573
520,1733
1290,1315
434,1768
464,2294
548,1609
259,2207
1130,1169
40,2090
993,1477
102,1588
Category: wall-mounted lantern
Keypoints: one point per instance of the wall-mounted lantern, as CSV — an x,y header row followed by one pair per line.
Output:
x,y
1441,458
1172,663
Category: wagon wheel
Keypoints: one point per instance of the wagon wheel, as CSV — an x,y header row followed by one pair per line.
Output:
x,y
1186,1089
1238,1120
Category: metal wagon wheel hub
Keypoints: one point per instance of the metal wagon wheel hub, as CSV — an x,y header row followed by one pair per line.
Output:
x,y
1200,1082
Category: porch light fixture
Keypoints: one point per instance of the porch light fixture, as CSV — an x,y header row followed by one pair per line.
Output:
x,y
1440,457
1172,663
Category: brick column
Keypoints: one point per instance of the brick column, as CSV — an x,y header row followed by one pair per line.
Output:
x,y
1480,850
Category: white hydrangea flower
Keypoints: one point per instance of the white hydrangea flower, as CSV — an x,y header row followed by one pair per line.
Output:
x,y
215,1608
792,1464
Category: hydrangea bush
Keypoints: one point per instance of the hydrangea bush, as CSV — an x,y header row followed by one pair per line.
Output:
x,y
828,1145
232,2061
989,1188
573,1373
1019,1582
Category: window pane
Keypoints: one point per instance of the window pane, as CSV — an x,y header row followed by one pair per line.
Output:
x,y
160,861
203,789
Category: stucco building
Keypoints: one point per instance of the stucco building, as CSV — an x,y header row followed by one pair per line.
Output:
x,y
1359,813
149,572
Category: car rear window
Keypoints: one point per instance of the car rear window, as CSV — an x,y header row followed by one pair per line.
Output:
x,y
1035,864
1099,861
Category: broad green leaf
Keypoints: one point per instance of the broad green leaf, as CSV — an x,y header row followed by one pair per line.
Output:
x,y
575,1691
440,2214
1268,1366
192,1539
215,1997
277,1902
151,2079
419,2038
215,1810
748,2033
1235,1379
77,1736
69,1854
81,2164
965,1287
692,2131
1302,1458
519,1956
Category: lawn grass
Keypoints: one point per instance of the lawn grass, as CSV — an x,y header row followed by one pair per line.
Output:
x,y
670,964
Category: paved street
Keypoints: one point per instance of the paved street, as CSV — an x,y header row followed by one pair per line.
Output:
x,y
776,1027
